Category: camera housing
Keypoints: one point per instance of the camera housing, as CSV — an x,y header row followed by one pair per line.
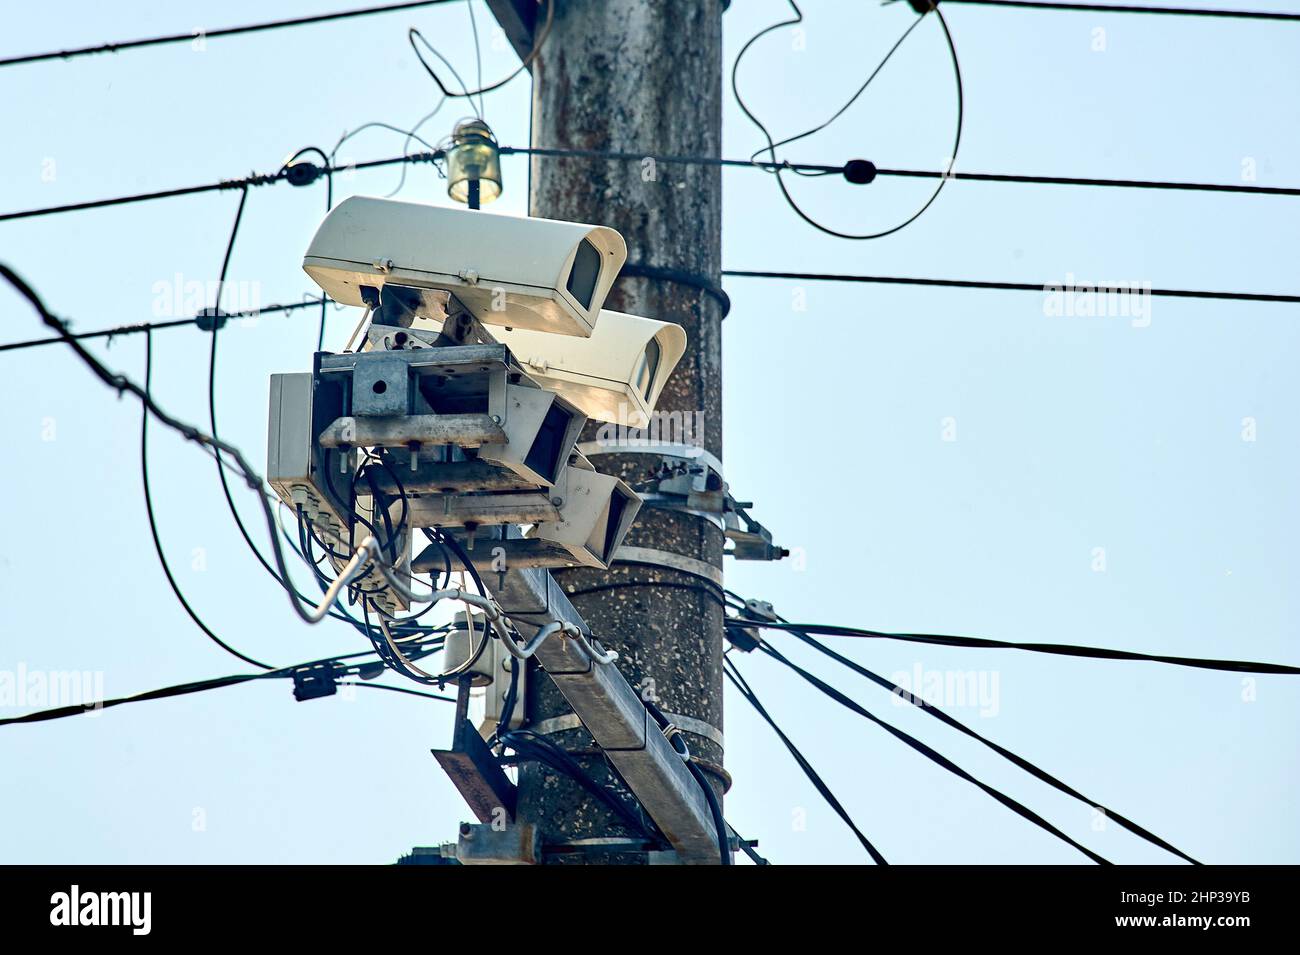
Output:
x,y
512,271
622,367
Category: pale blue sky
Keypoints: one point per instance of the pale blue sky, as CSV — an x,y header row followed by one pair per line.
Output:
x,y
1071,433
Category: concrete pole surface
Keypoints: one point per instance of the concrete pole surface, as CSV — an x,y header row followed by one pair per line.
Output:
x,y
641,76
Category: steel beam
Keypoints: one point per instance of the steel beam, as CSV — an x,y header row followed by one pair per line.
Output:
x,y
614,715
398,431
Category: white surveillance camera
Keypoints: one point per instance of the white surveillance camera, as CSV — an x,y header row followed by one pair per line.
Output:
x,y
538,274
619,370
595,512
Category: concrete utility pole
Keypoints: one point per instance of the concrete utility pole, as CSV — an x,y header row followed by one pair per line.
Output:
x,y
642,76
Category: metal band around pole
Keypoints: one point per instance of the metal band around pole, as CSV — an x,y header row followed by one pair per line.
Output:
x,y
663,558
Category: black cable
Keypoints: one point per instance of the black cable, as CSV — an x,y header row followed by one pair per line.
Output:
x,y
214,34
1019,761
738,681
1096,653
120,383
715,810
253,180
535,746
1083,181
111,333
667,159
511,699
1018,808
153,523
808,168
327,165
540,38
398,689
218,320
678,743
256,179
666,584
771,146
851,100
1038,287
182,689
1125,8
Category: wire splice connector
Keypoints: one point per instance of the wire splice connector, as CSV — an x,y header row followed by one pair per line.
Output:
x,y
859,171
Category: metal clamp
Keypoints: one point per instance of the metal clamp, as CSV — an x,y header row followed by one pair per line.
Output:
x,y
689,480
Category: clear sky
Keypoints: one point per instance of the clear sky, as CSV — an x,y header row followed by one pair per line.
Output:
x,y
946,461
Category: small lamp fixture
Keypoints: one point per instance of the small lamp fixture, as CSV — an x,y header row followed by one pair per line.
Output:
x,y
473,164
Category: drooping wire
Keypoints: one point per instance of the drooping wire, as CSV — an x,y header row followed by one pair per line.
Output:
x,y
851,100
218,319
537,747
683,750
410,134
770,149
478,56
153,522
733,674
121,383
327,163
413,34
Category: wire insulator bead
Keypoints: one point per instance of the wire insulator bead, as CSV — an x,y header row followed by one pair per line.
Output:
x,y
302,173
859,171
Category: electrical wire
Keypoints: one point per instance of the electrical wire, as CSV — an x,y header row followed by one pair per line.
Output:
x,y
851,100
327,162
436,156
478,55
255,179
933,755
771,146
215,34
1038,287
111,333
1126,8
1096,653
678,742
708,590
200,686
283,579
153,521
534,746
1019,761
410,134
398,689
466,93
1084,181
733,674
120,383
389,8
